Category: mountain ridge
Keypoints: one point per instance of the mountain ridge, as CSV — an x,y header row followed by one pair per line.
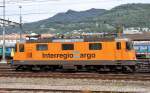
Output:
x,y
93,20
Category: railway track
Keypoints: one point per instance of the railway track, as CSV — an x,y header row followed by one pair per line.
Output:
x,y
7,71
45,90
79,76
16,90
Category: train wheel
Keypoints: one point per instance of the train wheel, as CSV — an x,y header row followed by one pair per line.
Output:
x,y
18,68
35,68
128,69
103,69
44,68
90,68
21,68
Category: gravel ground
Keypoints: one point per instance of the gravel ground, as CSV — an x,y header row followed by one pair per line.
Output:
x,y
76,84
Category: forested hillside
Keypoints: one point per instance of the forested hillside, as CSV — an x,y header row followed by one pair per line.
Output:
x,y
93,20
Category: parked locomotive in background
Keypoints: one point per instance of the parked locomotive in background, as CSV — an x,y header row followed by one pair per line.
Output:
x,y
8,52
141,43
142,49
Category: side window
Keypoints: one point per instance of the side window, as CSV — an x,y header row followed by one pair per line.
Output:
x,y
41,47
15,47
67,46
95,46
21,47
129,46
118,45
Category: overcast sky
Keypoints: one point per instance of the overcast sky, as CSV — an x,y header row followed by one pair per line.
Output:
x,y
34,10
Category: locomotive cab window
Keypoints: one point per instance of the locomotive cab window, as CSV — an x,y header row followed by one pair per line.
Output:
x,y
67,46
129,46
95,46
41,47
118,45
21,47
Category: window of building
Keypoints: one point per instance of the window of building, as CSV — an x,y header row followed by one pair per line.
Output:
x,y
67,46
41,47
21,47
95,46
118,45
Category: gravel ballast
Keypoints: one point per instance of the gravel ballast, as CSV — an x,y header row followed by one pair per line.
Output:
x,y
76,84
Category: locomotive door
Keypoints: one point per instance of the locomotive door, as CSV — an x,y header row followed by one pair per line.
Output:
x,y
118,51
29,51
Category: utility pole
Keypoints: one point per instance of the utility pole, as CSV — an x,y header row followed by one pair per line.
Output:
x,y
119,31
4,28
21,29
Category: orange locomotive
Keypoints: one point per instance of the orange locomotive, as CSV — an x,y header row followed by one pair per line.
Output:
x,y
99,54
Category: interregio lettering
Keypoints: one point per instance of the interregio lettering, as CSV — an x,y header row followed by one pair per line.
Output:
x,y
66,56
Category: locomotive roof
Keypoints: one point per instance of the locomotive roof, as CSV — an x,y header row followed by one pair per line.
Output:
x,y
91,39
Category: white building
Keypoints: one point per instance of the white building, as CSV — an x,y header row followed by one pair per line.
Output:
x,y
132,31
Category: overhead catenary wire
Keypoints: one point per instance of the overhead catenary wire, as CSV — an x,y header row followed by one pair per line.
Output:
x,y
25,4
26,14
